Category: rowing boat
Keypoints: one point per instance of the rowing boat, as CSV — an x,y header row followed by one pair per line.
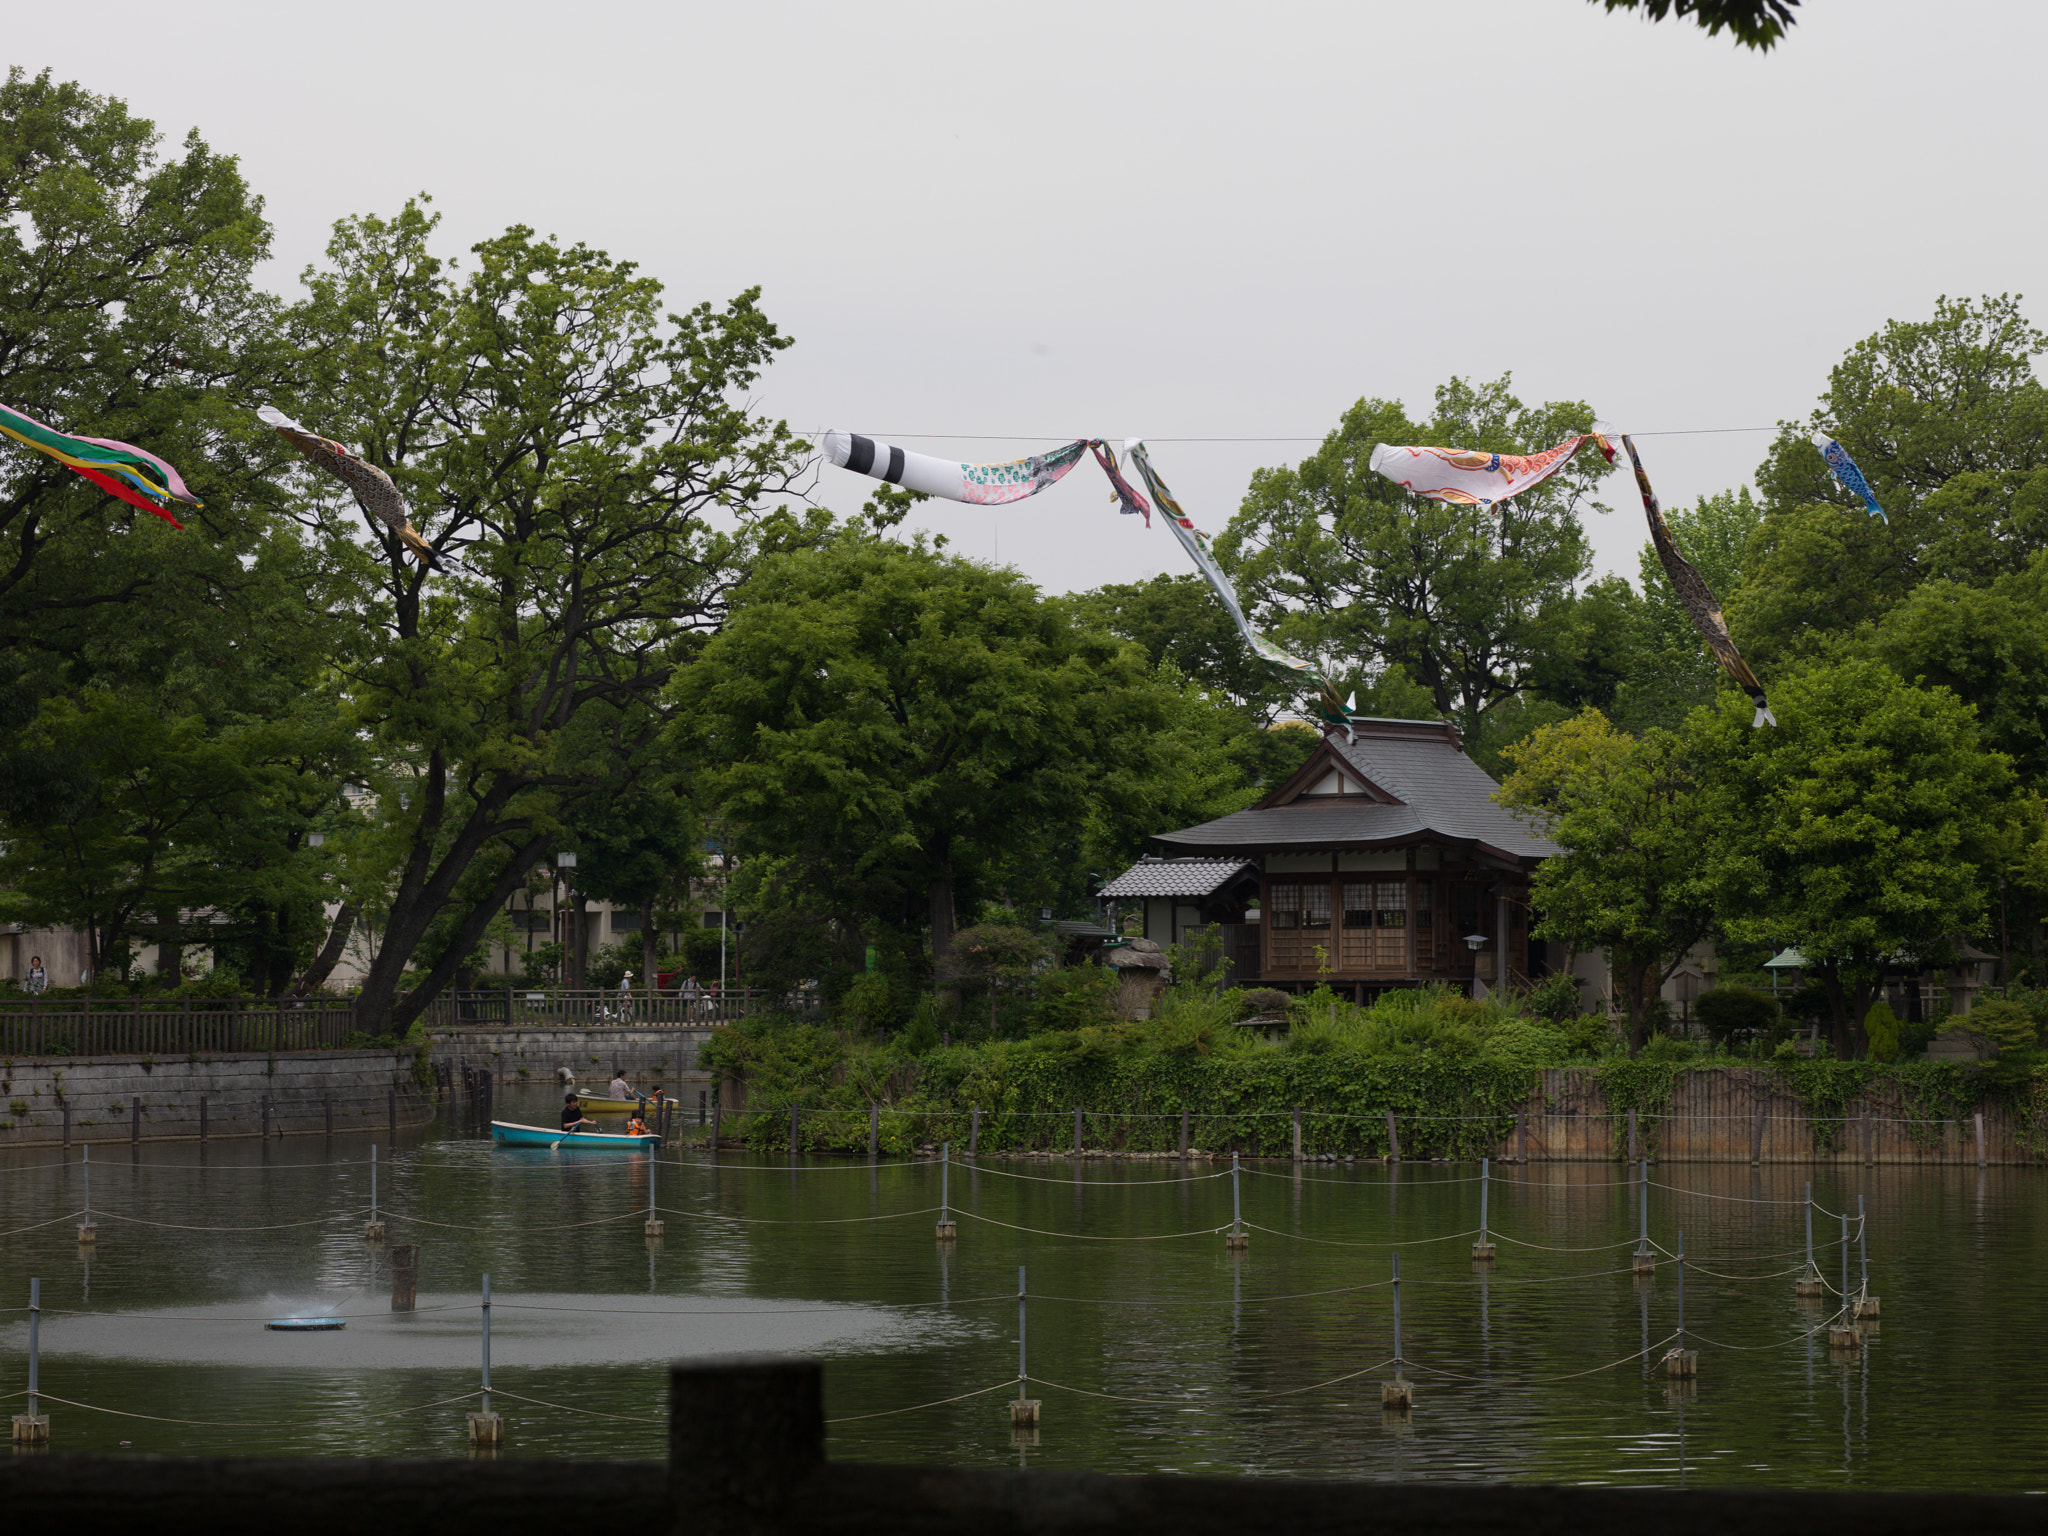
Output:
x,y
540,1136
604,1106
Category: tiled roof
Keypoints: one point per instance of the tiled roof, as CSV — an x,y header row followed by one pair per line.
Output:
x,y
1443,795
1175,877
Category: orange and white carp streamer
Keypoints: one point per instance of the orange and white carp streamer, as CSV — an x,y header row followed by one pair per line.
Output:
x,y
374,491
1468,477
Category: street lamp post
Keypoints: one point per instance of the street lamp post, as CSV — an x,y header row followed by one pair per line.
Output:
x,y
572,930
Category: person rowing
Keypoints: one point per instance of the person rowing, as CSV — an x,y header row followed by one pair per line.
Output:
x,y
572,1116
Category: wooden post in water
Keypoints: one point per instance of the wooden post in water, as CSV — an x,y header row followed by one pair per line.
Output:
x,y
1183,1133
717,1112
134,1118
1077,1130
1634,1156
1297,1133
1393,1139
405,1277
202,1117
67,1122
1524,1132
1756,1136
391,1117
1867,1157
974,1131
1978,1118
266,1117
794,1128
874,1130
327,1109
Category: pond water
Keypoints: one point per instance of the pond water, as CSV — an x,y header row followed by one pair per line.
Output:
x,y
1152,1348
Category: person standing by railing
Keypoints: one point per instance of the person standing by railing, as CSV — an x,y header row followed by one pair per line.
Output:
x,y
693,997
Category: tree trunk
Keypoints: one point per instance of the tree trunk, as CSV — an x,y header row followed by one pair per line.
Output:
x,y
330,953
170,948
1635,977
943,928
579,907
650,977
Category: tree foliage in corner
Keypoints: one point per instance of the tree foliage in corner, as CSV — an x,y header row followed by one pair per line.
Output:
x,y
1758,24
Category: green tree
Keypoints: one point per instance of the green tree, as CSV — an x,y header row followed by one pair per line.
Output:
x,y
1758,24
1342,561
588,457
916,732
638,849
1626,813
1177,619
1949,424
1856,831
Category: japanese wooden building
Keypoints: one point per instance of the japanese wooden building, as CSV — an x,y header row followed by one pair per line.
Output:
x,y
1382,862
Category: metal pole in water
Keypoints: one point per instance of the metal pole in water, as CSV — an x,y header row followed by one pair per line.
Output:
x,y
1397,1314
1483,1170
945,1176
373,1181
487,1343
86,1234
1020,1332
1681,1290
35,1318
1845,1258
1810,1269
1866,1304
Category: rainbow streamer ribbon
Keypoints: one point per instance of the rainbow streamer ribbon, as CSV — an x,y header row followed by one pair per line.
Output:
x,y
122,470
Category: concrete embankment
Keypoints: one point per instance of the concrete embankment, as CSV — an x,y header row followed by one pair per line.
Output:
x,y
652,1055
108,1098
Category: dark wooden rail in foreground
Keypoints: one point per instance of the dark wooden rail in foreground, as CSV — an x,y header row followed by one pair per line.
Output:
x,y
747,1458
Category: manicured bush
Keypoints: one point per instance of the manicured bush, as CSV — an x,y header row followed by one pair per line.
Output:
x,y
1727,1013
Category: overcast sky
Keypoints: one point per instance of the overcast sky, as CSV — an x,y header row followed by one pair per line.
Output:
x,y
1171,220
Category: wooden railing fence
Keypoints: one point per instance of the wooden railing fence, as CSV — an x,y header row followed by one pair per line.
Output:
x,y
93,1026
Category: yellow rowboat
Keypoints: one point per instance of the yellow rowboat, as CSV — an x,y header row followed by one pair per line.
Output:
x,y
592,1104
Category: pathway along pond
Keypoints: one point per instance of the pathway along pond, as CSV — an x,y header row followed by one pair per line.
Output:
x,y
1151,1352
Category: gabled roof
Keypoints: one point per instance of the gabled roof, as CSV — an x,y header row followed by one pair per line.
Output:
x,y
1398,782
1154,876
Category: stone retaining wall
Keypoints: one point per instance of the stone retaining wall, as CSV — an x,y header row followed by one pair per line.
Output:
x,y
299,1088
652,1055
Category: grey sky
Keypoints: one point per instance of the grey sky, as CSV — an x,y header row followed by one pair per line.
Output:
x,y
1171,220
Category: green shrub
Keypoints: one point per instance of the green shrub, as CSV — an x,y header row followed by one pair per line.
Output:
x,y
1881,1029
1728,1012
1263,1000
1074,997
1555,997
1668,1048
870,1006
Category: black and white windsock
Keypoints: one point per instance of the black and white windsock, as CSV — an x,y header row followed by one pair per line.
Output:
x,y
980,484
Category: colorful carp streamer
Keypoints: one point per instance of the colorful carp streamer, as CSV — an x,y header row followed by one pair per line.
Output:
x,y
1196,543
987,485
1844,469
373,489
1699,603
996,484
1467,477
135,475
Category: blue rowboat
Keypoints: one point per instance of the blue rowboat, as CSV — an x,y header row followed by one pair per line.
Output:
x,y
540,1136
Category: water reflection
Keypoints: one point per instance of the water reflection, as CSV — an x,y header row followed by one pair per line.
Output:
x,y
1186,1336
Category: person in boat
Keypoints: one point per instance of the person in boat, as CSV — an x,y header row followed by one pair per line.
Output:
x,y
572,1115
621,1089
635,1126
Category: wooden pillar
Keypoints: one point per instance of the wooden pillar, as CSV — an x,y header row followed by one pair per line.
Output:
x,y
717,1112
1077,1130
1183,1132
1633,1155
745,1434
1867,1157
327,1109
1978,1120
874,1129
1297,1133
1393,1139
1756,1135
405,1277
391,1114
134,1119
974,1131
1524,1117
